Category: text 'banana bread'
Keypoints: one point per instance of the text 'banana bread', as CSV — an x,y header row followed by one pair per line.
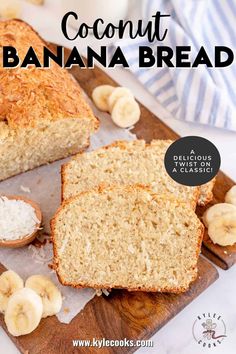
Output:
x,y
126,162
43,115
126,237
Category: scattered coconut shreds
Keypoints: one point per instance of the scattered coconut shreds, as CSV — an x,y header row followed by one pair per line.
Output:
x,y
99,292
130,128
106,292
39,255
25,189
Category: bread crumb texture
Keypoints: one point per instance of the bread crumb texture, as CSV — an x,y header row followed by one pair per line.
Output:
x,y
126,237
43,115
127,163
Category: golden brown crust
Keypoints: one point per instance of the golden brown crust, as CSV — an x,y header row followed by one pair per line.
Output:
x,y
174,290
206,193
31,95
62,180
100,189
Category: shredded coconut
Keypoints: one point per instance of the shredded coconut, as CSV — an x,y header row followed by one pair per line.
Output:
x,y
25,189
39,255
17,219
99,292
106,292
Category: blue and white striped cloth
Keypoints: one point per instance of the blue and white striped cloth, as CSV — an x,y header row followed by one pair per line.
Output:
x,y
203,95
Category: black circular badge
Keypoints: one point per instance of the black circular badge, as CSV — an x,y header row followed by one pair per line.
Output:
x,y
192,161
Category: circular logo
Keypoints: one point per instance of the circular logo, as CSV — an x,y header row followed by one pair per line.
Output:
x,y
192,161
209,330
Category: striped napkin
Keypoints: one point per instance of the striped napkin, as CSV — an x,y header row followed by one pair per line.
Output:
x,y
203,95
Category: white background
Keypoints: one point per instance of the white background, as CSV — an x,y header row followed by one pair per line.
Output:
x,y
175,337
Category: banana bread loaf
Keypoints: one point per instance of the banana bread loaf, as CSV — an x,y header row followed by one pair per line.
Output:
x,y
43,115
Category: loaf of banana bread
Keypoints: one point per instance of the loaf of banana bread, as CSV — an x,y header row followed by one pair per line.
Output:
x,y
43,114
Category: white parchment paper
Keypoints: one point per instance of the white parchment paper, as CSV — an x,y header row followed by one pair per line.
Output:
x,y
43,185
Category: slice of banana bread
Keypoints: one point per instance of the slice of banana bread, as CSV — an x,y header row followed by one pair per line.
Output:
x,y
126,237
126,163
43,115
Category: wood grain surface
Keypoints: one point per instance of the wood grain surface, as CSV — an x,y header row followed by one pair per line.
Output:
x,y
131,315
123,314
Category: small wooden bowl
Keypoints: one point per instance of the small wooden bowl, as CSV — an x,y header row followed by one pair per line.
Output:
x,y
27,239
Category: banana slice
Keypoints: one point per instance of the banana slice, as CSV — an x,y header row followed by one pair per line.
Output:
x,y
100,96
230,196
50,295
217,210
24,312
10,282
117,93
126,112
222,230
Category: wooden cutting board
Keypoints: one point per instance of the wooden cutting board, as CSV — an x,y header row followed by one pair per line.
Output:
x,y
131,315
123,314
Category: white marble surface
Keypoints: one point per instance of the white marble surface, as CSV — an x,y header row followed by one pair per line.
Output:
x,y
175,337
